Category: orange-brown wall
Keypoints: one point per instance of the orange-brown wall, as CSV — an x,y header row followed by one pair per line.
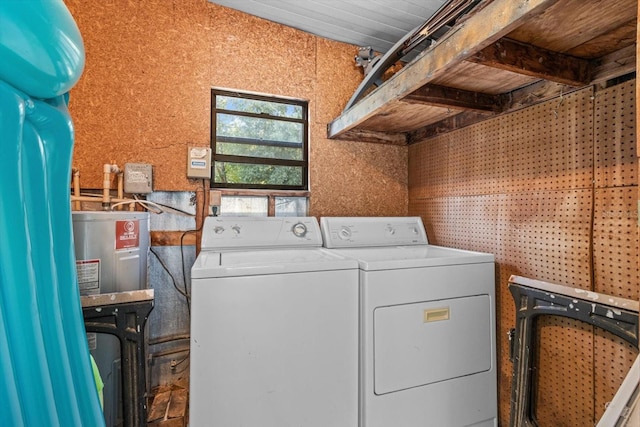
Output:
x,y
145,96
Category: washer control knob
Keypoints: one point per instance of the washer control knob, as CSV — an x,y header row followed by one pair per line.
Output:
x,y
299,230
218,229
414,230
390,231
236,229
344,233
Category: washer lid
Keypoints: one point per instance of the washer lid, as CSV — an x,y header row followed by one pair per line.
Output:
x,y
268,261
390,258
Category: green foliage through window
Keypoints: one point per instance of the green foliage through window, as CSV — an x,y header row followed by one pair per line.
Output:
x,y
259,142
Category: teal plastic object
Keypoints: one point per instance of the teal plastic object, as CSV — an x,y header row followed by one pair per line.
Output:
x,y
41,49
47,378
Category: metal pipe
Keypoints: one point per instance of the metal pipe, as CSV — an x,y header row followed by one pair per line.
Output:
x,y
121,189
99,199
107,170
106,185
76,189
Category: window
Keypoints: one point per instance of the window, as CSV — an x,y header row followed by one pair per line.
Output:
x,y
273,204
258,142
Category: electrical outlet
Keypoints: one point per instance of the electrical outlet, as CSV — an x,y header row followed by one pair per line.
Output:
x,y
215,197
215,201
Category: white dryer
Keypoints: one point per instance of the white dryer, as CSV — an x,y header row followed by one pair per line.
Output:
x,y
274,327
427,325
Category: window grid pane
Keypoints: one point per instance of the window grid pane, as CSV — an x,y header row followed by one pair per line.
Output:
x,y
278,109
258,128
259,142
258,151
260,175
292,206
244,206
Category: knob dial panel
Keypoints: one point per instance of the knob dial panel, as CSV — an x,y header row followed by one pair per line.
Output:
x,y
344,233
299,229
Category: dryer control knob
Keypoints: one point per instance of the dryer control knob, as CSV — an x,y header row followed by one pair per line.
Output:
x,y
344,233
299,230
390,231
236,229
218,230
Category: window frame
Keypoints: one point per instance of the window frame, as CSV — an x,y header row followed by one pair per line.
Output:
x,y
303,163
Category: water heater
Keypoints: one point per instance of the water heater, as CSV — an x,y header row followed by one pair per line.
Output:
x,y
111,256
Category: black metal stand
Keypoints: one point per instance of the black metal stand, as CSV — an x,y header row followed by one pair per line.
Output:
x,y
124,315
534,298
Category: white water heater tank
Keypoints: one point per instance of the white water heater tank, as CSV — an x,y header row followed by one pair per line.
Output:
x,y
111,250
111,256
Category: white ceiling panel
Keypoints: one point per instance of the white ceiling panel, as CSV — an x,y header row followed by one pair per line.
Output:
x,y
376,23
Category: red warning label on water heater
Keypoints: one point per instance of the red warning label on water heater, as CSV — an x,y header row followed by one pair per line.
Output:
x,y
127,234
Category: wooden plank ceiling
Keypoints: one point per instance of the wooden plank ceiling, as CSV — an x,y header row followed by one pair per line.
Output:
x,y
506,55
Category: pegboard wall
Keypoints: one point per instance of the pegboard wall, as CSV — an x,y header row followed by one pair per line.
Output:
x,y
552,191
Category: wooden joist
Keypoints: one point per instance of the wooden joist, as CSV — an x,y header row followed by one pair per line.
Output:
x,y
374,137
521,98
442,96
533,61
172,238
449,124
614,65
533,94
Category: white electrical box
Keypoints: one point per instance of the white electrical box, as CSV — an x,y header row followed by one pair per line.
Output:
x,y
138,178
199,162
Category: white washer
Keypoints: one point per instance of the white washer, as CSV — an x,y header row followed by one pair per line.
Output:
x,y
427,325
274,327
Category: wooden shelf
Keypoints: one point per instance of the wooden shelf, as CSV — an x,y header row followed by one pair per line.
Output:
x,y
507,55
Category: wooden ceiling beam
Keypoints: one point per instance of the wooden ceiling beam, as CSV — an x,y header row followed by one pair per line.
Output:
x,y
614,65
449,124
534,93
533,61
527,96
442,96
376,137
485,27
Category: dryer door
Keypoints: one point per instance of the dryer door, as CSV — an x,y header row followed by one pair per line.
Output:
x,y
423,343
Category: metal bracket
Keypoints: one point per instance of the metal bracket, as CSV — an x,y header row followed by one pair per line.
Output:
x,y
534,298
124,315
